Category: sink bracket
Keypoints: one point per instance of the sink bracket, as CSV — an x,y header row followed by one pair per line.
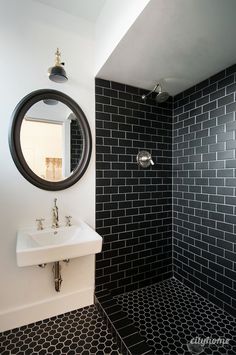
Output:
x,y
42,266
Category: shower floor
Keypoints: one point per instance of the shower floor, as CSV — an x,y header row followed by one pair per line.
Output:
x,y
169,315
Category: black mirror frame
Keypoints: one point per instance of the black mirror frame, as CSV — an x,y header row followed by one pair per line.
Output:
x,y
15,146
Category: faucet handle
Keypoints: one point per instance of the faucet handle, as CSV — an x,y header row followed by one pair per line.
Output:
x,y
68,221
40,223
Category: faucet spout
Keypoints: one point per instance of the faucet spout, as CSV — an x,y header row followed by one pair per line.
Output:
x,y
55,215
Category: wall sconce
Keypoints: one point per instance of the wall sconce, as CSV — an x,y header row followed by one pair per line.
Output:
x,y
57,73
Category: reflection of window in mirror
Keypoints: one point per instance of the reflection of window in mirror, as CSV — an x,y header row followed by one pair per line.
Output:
x,y
42,147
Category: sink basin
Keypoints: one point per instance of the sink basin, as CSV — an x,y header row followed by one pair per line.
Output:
x,y
53,237
49,245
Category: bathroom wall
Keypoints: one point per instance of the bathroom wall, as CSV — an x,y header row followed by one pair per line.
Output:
x,y
29,35
133,205
204,188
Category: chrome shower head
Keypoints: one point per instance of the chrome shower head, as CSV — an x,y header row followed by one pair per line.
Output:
x,y
162,96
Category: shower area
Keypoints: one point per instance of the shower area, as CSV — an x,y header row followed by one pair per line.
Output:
x,y
166,277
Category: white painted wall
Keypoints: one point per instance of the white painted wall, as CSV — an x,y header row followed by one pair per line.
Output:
x,y
30,32
114,20
29,35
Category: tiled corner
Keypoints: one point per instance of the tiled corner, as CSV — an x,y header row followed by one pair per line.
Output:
x,y
192,140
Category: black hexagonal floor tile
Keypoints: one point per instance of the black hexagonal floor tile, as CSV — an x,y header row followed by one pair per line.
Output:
x,y
66,334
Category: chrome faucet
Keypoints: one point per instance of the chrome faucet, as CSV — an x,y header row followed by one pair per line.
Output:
x,y
55,216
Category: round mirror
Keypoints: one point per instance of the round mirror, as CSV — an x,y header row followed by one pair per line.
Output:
x,y
50,139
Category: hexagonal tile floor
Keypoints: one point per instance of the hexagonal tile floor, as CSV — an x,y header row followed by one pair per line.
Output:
x,y
80,332
169,315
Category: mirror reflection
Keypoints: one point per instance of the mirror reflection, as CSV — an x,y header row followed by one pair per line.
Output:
x,y
51,140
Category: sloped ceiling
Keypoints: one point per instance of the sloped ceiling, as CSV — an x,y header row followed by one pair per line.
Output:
x,y
181,41
87,9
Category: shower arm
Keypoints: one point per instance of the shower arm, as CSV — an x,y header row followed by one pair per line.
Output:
x,y
150,92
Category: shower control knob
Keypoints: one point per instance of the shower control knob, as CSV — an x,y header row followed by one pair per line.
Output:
x,y
144,159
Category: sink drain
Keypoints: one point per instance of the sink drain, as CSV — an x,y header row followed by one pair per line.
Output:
x,y
195,348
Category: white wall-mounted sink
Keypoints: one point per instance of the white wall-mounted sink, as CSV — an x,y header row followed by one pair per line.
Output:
x,y
49,245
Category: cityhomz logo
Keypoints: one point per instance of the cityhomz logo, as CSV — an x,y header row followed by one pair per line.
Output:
x,y
196,345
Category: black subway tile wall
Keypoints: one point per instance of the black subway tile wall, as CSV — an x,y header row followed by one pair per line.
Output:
x,y
76,143
204,188
133,205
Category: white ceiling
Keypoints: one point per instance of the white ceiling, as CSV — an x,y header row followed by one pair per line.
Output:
x,y
41,111
87,9
182,41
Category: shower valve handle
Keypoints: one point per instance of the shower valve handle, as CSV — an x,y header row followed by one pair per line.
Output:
x,y
144,159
